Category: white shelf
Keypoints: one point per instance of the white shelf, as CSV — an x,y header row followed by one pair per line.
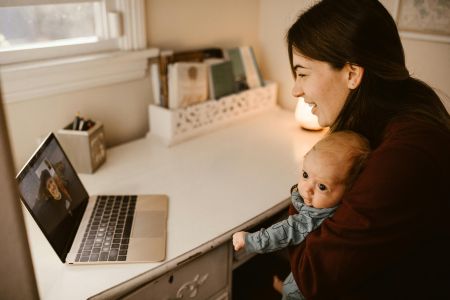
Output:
x,y
175,126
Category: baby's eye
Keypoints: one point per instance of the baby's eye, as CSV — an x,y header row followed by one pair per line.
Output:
x,y
301,75
322,187
305,175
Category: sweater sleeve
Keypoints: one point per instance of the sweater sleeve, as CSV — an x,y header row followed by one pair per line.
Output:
x,y
378,238
291,231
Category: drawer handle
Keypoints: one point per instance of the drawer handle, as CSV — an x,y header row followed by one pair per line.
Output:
x,y
191,287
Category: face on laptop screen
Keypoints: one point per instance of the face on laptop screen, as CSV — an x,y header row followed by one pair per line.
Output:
x,y
53,194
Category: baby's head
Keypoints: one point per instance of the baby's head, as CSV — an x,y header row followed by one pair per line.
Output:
x,y
331,166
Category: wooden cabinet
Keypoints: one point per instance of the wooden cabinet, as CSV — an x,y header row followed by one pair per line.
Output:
x,y
204,276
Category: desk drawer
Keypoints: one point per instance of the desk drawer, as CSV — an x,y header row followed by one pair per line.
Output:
x,y
201,278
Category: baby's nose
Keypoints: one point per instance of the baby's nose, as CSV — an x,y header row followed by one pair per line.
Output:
x,y
310,189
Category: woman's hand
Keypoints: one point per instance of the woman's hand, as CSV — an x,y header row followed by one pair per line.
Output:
x,y
239,240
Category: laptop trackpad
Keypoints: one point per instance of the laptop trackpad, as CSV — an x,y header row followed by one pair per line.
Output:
x,y
148,224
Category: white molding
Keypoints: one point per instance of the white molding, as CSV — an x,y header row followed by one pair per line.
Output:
x,y
416,35
53,50
134,33
8,3
122,20
26,81
425,37
35,79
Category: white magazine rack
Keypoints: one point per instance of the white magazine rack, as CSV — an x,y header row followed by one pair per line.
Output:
x,y
175,126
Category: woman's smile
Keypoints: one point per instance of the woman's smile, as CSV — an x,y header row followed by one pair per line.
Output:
x,y
319,81
313,106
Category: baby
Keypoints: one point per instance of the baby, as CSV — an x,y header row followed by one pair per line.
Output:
x,y
329,169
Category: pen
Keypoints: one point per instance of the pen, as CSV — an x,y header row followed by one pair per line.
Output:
x,y
76,121
81,124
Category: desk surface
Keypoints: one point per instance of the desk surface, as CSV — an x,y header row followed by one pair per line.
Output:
x,y
215,183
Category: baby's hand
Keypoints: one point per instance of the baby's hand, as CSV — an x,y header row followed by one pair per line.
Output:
x,y
239,240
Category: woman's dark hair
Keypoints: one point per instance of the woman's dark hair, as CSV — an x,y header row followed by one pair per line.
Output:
x,y
362,32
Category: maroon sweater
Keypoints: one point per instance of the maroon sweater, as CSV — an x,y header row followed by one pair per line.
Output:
x,y
390,237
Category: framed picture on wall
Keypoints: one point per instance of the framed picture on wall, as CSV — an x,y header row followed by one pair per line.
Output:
x,y
423,19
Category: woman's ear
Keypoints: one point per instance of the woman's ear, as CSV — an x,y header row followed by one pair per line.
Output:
x,y
355,75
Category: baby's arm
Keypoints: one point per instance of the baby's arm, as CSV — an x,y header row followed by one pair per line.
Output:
x,y
265,240
273,238
291,231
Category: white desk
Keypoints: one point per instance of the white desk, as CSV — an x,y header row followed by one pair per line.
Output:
x,y
216,184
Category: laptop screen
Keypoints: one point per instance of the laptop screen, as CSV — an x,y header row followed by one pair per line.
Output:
x,y
54,195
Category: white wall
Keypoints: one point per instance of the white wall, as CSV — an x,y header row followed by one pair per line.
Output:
x,y
122,108
276,18
181,25
429,61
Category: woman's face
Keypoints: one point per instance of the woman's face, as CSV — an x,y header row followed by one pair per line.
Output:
x,y
322,87
52,187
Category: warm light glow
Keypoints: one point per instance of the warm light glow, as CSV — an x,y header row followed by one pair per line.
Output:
x,y
305,117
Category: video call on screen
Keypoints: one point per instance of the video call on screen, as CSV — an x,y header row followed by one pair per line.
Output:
x,y
51,188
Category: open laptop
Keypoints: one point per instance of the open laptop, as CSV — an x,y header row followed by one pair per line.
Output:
x,y
85,229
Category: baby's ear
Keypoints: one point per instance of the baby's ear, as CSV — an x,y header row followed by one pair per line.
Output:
x,y
354,75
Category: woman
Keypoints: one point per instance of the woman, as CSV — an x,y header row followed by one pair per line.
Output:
x,y
54,202
390,237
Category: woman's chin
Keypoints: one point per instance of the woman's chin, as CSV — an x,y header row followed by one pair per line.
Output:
x,y
322,123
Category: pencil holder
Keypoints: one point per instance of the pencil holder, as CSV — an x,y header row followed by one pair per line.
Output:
x,y
85,148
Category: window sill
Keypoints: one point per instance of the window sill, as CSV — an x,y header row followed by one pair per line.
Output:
x,y
26,81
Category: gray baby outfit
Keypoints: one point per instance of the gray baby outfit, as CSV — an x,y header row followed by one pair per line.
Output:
x,y
291,231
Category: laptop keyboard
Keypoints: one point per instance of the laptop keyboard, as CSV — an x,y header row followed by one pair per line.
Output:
x,y
108,232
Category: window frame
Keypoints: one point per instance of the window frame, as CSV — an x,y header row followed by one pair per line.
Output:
x,y
83,66
71,47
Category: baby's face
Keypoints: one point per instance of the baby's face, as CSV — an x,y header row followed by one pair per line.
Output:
x,y
322,180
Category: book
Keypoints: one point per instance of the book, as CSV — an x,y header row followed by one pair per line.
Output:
x,y
245,67
197,55
164,60
188,84
240,79
160,83
155,80
220,78
158,67
252,72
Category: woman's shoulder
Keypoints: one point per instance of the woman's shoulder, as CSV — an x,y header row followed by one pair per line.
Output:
x,y
411,130
409,140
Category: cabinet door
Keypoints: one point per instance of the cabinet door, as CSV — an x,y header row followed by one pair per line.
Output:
x,y
205,277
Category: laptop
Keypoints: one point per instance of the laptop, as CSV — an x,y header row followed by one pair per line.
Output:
x,y
85,229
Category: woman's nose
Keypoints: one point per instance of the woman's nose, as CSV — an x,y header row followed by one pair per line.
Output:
x,y
297,90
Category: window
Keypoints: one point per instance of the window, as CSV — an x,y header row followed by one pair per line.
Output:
x,y
39,31
56,46
36,25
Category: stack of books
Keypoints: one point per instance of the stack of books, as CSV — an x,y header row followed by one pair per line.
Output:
x,y
182,79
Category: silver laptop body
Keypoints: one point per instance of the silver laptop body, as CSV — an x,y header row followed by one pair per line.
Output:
x,y
122,228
